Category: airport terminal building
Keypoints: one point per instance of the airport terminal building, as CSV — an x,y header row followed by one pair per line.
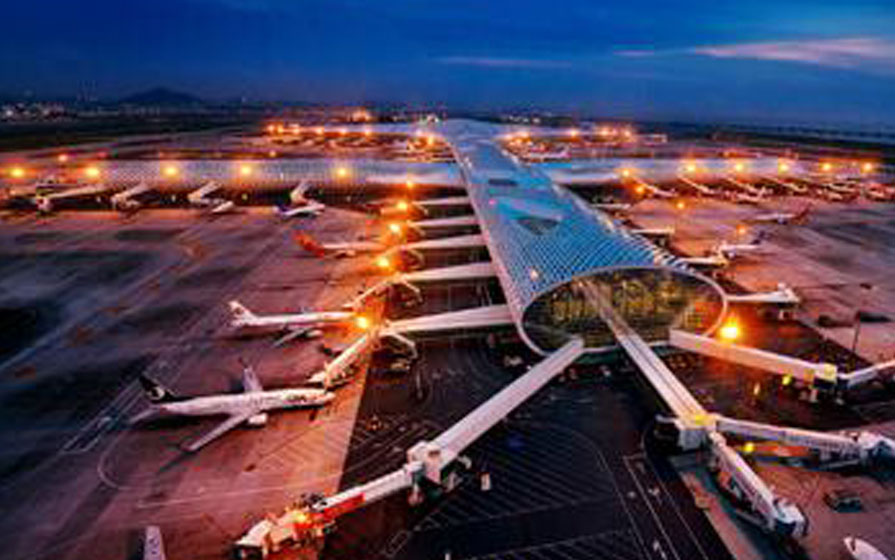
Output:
x,y
546,242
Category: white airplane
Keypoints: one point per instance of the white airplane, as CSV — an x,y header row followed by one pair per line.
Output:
x,y
784,295
153,545
293,325
125,201
311,208
734,250
250,407
200,198
782,218
859,549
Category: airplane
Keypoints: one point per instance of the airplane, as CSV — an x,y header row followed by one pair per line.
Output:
x,y
250,407
125,201
153,545
782,218
311,208
734,250
200,198
293,325
336,250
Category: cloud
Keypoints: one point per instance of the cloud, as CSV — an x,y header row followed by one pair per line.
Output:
x,y
495,62
860,53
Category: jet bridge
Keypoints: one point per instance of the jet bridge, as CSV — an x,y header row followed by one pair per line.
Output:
x,y
474,318
454,221
699,187
814,374
444,201
125,199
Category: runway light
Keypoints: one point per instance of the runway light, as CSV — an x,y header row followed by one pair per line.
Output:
x,y
92,172
362,322
730,331
170,171
17,172
749,448
383,263
245,170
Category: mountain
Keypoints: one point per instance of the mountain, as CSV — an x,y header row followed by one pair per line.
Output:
x,y
162,97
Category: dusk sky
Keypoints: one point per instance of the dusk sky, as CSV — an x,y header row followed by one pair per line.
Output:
x,y
830,60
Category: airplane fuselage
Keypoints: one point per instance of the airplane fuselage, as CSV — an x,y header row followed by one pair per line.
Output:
x,y
276,322
260,401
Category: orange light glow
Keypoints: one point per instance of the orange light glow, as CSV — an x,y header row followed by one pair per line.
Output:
x,y
170,171
680,205
92,172
640,189
271,129
383,263
245,170
867,167
826,167
402,205
368,132
319,130
394,228
410,184
748,448
783,167
739,167
362,322
741,229
690,168
342,172
626,173
62,158
730,331
17,172
573,133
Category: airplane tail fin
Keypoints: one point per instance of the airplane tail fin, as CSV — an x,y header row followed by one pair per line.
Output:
x,y
240,311
309,244
155,391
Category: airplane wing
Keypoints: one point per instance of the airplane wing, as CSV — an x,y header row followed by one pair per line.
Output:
x,y
219,430
292,334
250,381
